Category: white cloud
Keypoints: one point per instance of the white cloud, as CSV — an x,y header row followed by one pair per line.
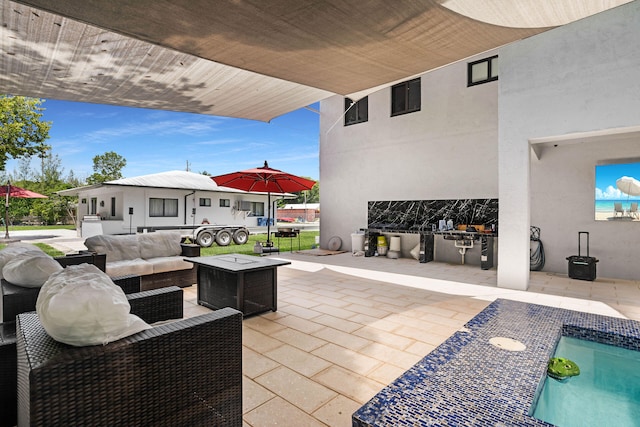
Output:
x,y
161,127
221,141
610,193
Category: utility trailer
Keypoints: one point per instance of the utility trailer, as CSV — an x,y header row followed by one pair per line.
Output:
x,y
206,234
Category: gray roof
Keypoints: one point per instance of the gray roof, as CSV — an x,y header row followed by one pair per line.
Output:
x,y
171,179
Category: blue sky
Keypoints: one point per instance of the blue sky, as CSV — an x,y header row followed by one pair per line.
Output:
x,y
158,141
606,177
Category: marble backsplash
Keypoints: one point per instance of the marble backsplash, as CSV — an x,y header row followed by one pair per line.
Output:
x,y
418,215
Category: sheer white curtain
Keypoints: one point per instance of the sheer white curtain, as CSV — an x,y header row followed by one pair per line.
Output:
x,y
163,207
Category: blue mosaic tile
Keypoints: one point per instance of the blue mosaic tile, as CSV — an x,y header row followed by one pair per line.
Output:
x,y
466,381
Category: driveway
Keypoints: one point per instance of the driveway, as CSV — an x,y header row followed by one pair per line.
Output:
x,y
62,239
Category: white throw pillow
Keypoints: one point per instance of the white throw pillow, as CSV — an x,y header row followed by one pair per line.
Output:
x,y
81,306
13,249
30,269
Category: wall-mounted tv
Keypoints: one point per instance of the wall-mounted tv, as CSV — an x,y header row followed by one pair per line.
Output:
x,y
618,192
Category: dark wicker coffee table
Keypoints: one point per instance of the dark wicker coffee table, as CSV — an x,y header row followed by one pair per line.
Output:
x,y
247,283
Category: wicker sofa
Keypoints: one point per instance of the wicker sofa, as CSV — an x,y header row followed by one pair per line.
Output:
x,y
186,373
156,257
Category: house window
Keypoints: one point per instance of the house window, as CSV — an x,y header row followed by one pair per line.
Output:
x,y
357,112
225,203
113,206
405,97
257,208
205,201
254,208
163,207
482,71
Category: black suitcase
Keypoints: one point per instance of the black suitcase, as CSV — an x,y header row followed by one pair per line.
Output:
x,y
582,267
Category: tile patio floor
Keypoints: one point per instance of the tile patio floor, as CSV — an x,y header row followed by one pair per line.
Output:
x,y
347,326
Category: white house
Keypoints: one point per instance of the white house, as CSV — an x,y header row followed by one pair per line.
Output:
x,y
174,198
563,102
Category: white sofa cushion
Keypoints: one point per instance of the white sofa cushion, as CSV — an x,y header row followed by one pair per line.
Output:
x,y
117,248
172,263
159,244
138,267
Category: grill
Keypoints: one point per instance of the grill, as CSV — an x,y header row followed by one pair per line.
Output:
x,y
289,233
286,233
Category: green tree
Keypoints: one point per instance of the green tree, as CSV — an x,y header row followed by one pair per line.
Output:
x,y
23,171
73,181
48,180
313,195
107,167
307,196
22,131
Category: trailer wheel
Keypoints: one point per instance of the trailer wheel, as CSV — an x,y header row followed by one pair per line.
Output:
x,y
240,237
204,239
223,237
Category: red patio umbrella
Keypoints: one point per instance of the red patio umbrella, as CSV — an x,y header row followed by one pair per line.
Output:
x,y
9,190
264,180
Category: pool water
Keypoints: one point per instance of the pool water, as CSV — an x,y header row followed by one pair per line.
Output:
x,y
606,393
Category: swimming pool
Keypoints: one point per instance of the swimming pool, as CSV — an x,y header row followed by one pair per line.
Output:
x,y
607,391
468,381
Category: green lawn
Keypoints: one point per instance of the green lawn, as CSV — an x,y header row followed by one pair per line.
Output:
x,y
307,241
39,227
49,250
46,248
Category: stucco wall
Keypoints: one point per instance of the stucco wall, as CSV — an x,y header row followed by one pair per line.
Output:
x,y
446,150
577,79
582,77
562,203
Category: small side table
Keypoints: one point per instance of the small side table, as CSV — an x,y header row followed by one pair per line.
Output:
x,y
190,249
246,283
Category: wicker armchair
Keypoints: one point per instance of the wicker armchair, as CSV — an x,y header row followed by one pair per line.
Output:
x,y
151,306
185,373
8,374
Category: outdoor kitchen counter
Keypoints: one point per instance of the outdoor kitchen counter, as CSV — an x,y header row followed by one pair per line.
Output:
x,y
443,246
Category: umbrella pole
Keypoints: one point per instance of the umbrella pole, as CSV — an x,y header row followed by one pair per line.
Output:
x,y
6,223
268,217
6,212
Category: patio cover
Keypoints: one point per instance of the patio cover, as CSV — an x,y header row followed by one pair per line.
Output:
x,y
253,59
